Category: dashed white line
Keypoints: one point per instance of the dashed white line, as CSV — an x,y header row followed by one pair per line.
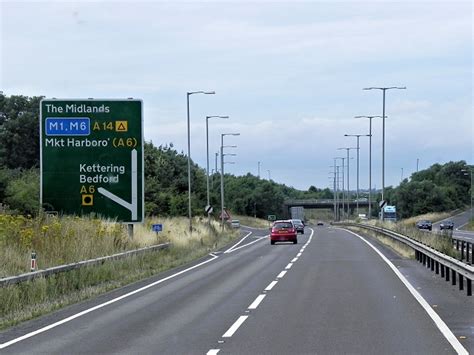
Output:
x,y
257,301
288,267
235,326
281,274
213,351
294,259
271,285
299,254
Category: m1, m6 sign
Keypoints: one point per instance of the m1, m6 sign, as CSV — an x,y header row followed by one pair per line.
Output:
x,y
92,158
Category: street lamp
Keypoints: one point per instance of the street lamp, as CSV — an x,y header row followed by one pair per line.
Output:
x,y
470,173
207,157
358,136
383,129
348,188
189,152
269,174
342,158
222,171
370,160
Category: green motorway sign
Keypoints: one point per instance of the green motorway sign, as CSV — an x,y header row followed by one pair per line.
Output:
x,y
92,157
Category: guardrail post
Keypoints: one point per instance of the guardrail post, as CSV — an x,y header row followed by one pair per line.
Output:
x,y
467,253
442,270
437,268
432,265
469,287
462,250
424,259
461,282
457,244
447,273
453,277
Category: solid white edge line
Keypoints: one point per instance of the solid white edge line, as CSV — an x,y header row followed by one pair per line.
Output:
x,y
257,301
213,351
235,326
245,245
281,274
271,285
80,314
444,329
235,245
288,267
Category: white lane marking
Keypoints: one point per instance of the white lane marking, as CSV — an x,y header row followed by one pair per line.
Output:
x,y
235,326
281,274
288,267
299,254
447,333
80,314
213,351
271,285
235,245
245,245
257,301
294,260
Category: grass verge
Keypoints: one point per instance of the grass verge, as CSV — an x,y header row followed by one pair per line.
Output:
x,y
31,299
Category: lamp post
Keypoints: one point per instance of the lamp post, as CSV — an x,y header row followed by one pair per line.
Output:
x,y
357,136
207,156
370,160
383,129
222,172
189,152
348,188
470,173
342,177
269,174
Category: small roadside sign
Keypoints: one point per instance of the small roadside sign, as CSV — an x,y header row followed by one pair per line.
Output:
x,y
157,227
208,209
224,215
382,203
272,217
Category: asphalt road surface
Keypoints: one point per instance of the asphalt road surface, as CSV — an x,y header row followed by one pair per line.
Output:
x,y
331,293
459,220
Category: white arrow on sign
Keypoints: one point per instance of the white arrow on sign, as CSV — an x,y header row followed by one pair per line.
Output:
x,y
132,207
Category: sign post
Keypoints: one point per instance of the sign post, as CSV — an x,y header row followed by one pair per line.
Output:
x,y
92,158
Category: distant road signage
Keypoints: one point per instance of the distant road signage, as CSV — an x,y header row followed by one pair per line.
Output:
x,y
92,157
382,203
272,217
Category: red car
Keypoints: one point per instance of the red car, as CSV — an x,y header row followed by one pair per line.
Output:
x,y
283,231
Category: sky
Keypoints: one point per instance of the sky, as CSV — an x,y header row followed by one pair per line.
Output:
x,y
288,74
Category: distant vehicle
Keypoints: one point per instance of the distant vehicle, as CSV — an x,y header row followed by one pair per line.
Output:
x,y
283,231
363,216
297,213
424,224
235,223
389,213
320,223
446,225
299,225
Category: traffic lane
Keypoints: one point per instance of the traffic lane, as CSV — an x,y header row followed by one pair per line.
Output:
x,y
459,220
453,306
339,297
178,316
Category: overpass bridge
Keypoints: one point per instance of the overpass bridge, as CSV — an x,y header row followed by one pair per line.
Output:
x,y
326,204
